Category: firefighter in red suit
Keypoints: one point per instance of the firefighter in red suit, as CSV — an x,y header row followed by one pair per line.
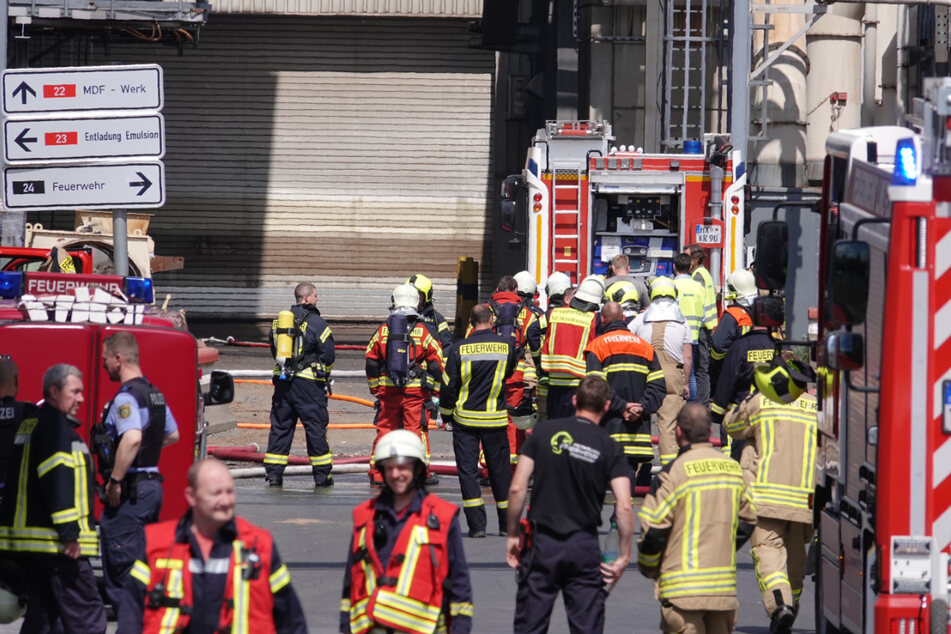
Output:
x,y
406,569
404,368
212,571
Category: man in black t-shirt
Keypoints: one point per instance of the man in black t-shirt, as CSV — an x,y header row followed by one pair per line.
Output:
x,y
574,461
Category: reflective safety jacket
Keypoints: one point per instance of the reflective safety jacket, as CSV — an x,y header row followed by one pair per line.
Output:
x,y
477,369
314,351
426,364
688,529
736,376
49,498
438,327
632,369
785,444
734,323
570,330
690,297
702,276
12,413
407,596
168,576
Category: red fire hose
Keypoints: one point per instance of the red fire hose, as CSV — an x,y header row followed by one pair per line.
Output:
x,y
231,341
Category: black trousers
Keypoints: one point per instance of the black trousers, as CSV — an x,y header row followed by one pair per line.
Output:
x,y
61,595
571,565
495,445
702,365
559,401
307,400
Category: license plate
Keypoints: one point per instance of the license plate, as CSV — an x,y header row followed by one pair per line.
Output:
x,y
708,234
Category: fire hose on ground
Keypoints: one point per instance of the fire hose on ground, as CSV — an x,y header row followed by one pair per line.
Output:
x,y
231,341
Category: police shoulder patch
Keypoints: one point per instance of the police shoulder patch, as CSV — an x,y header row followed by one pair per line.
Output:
x,y
125,411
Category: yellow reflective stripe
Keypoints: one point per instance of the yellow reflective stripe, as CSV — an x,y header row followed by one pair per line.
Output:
x,y
418,538
169,622
640,368
648,561
773,580
141,573
502,504
690,555
656,375
59,458
700,483
279,579
601,374
170,564
717,409
719,580
473,503
368,572
344,605
498,383
325,334
323,459
717,356
241,590
275,458
563,381
66,515
405,612
462,608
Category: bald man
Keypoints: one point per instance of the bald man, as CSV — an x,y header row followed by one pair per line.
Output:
x,y
12,413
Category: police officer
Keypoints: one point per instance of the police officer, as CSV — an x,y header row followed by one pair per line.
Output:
x,y
404,368
47,521
395,538
631,368
138,423
700,274
432,318
12,413
780,421
570,329
473,399
300,391
212,571
573,461
696,578
690,296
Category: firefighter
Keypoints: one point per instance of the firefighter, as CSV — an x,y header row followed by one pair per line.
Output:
x,y
696,578
573,461
620,269
631,368
700,274
12,413
625,293
474,401
434,321
780,421
212,571
570,329
404,367
409,535
555,288
46,521
301,384
138,424
664,326
690,296
736,320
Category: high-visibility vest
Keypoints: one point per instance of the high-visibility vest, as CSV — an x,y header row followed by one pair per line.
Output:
x,y
569,332
709,296
690,297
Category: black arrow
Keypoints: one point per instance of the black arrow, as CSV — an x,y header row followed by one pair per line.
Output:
x,y
23,88
145,183
22,139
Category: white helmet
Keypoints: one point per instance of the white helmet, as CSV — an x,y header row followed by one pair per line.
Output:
x,y
11,608
526,421
591,289
526,283
399,443
557,283
405,296
741,287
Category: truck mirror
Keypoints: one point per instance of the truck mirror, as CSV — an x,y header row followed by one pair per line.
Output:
x,y
221,389
847,284
510,187
845,351
772,255
509,209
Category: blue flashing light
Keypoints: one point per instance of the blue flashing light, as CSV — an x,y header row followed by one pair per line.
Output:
x,y
533,167
11,285
906,163
139,289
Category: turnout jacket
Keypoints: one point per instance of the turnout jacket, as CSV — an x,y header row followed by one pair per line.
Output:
x,y
242,587
736,376
426,363
12,413
438,327
734,323
569,332
688,529
785,442
477,369
49,497
313,347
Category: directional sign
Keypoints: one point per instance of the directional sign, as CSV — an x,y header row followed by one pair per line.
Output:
x,y
83,88
50,140
84,186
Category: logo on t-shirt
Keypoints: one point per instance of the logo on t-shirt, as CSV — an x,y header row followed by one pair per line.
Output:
x,y
562,441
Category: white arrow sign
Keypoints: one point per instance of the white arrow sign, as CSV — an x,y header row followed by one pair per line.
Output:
x,y
84,186
50,140
83,88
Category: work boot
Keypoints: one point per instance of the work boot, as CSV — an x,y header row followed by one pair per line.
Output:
x,y
326,482
431,478
782,620
477,534
274,480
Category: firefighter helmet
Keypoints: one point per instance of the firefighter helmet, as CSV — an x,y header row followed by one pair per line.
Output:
x,y
11,606
405,296
401,444
557,283
622,292
782,381
525,416
424,285
526,283
591,289
663,287
741,287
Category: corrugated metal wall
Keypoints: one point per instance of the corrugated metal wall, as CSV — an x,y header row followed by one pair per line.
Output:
x,y
347,152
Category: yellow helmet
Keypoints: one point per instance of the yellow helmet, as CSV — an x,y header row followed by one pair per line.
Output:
x,y
782,381
424,285
663,287
622,292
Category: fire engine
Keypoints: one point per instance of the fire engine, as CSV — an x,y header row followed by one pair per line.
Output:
x,y
883,496
48,318
580,202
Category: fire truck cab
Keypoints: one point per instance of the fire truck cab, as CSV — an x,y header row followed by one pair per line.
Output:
x,y
579,202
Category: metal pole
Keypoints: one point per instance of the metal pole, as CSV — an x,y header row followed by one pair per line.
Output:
x,y
740,97
120,242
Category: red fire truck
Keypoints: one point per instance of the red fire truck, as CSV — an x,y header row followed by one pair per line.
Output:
x,y
66,321
579,202
883,496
